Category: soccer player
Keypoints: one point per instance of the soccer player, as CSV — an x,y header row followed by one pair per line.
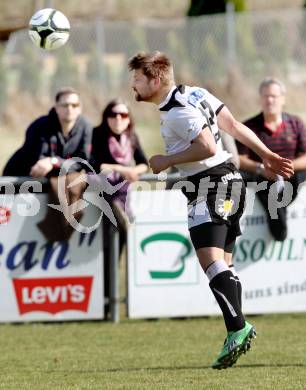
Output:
x,y
190,122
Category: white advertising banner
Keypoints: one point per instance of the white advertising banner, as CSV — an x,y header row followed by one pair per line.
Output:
x,y
164,276
273,273
41,281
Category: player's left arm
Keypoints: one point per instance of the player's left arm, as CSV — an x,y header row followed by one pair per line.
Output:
x,y
246,136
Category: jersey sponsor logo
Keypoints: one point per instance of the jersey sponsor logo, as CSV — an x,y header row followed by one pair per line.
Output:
x,y
195,97
53,295
5,215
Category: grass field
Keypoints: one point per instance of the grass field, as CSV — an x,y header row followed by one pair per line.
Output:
x,y
162,354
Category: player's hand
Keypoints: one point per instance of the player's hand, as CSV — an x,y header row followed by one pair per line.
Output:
x,y
278,165
159,163
42,167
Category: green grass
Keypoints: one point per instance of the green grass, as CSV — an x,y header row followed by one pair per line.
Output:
x,y
163,354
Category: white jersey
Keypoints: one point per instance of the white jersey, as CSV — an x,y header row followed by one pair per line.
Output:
x,y
185,112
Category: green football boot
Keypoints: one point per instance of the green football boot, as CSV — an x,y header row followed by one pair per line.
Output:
x,y
234,346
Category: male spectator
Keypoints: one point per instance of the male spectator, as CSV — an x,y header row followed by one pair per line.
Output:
x,y
68,134
285,135
62,134
50,139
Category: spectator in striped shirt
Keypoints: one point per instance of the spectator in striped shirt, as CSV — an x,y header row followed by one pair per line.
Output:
x,y
284,134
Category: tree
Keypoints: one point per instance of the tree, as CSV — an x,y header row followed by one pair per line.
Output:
x,y
208,7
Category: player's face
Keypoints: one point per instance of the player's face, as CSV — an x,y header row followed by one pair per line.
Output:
x,y
144,88
272,99
68,108
118,119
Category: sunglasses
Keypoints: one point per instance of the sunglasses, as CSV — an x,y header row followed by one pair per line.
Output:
x,y
66,105
124,115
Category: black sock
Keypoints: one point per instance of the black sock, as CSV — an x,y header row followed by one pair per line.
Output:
x,y
239,285
224,287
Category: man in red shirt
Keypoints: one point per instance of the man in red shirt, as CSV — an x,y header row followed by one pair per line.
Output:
x,y
285,135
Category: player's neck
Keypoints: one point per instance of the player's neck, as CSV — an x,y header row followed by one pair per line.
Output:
x,y
162,94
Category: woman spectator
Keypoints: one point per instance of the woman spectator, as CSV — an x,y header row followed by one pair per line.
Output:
x,y
116,150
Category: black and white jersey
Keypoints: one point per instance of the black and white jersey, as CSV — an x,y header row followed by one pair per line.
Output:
x,y
185,112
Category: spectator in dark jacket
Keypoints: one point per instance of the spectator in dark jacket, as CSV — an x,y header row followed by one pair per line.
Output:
x,y
51,139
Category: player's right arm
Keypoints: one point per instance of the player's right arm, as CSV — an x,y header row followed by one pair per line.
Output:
x,y
189,125
201,147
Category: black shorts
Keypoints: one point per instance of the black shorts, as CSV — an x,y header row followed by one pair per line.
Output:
x,y
216,200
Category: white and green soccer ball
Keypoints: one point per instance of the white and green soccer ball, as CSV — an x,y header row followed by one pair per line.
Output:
x,y
49,29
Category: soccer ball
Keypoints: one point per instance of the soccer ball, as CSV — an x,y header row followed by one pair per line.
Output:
x,y
49,29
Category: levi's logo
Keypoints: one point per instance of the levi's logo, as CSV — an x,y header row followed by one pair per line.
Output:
x,y
53,295
5,215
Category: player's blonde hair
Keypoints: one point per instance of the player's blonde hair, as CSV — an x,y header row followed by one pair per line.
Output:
x,y
153,65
